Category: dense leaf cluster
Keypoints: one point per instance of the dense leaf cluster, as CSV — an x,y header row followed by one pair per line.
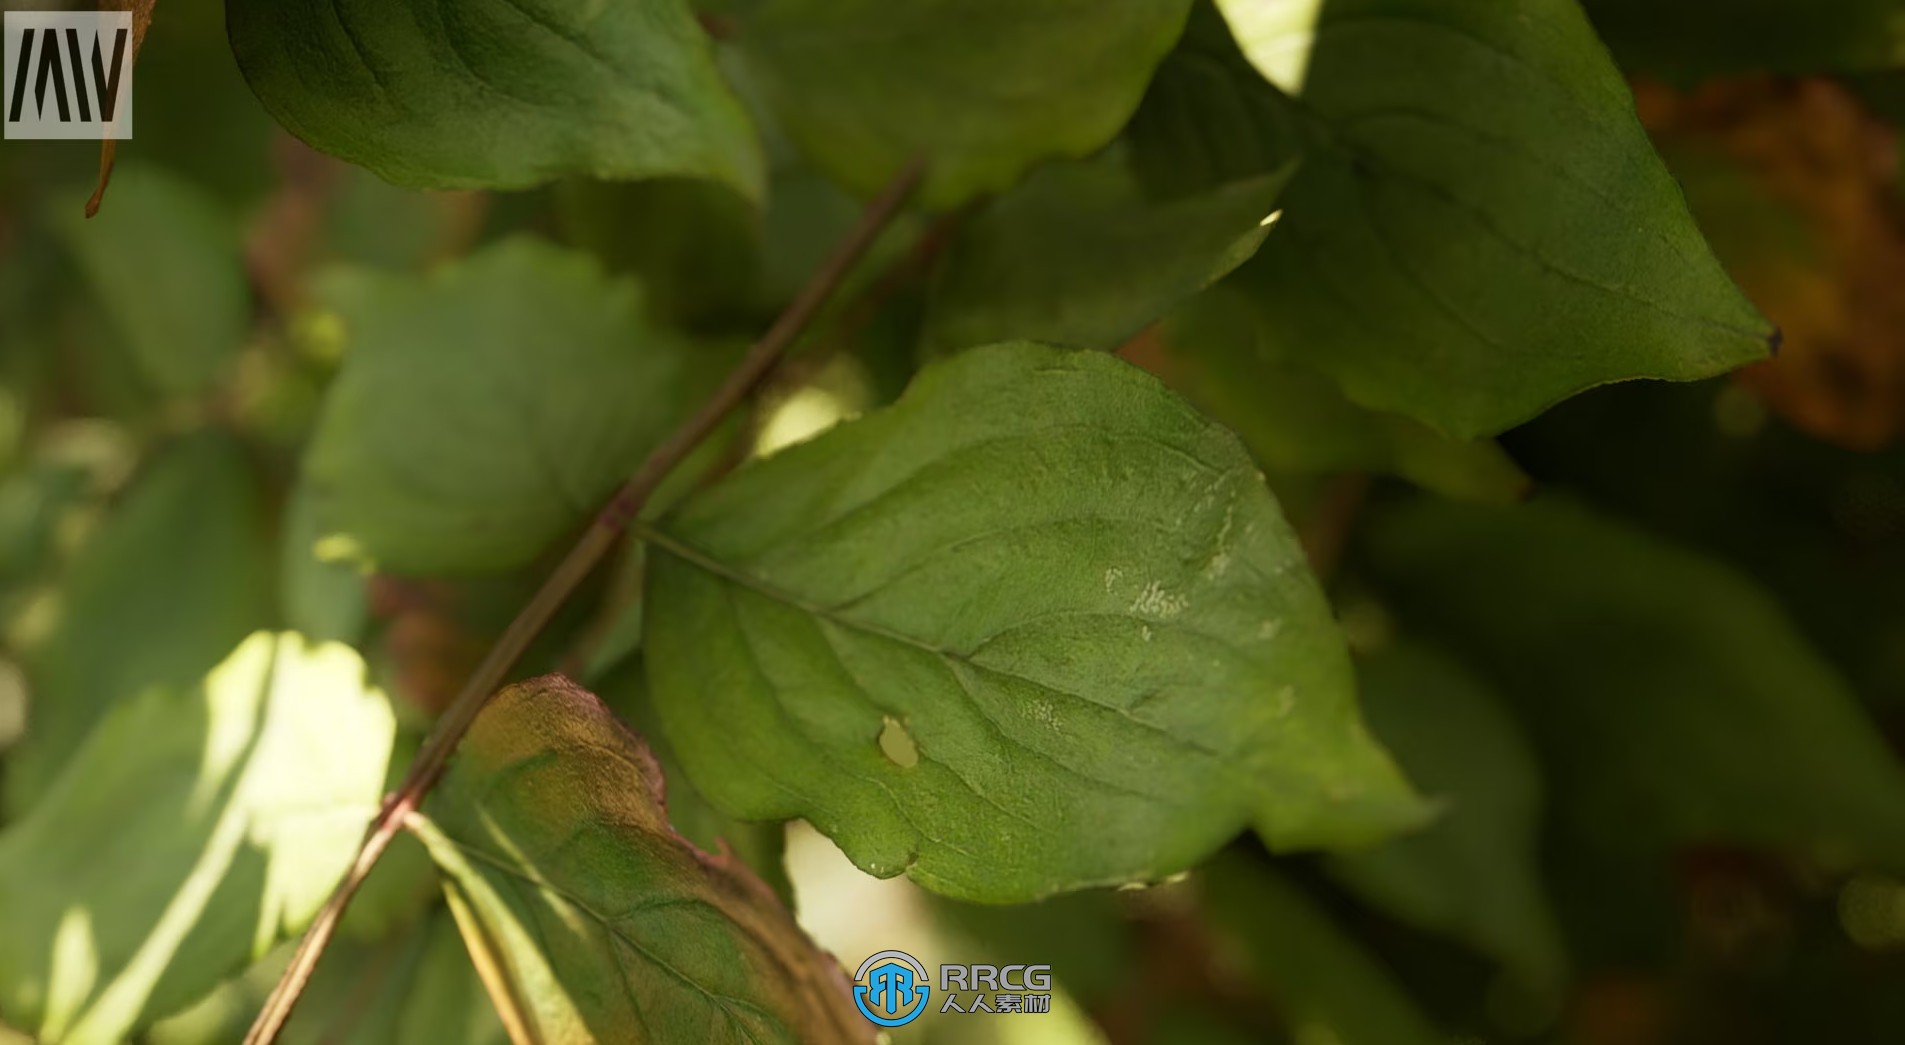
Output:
x,y
1179,495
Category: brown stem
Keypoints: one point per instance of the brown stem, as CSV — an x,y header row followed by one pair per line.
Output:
x,y
589,550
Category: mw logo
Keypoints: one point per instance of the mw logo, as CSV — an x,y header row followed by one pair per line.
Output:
x,y
68,74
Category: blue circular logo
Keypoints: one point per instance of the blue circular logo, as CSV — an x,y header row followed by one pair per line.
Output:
x,y
891,988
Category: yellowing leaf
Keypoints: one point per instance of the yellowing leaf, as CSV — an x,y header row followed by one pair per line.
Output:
x,y
589,918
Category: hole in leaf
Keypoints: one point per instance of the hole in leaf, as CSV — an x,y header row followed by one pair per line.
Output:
x,y
897,744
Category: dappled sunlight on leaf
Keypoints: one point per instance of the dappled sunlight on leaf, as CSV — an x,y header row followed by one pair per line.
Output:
x,y
240,801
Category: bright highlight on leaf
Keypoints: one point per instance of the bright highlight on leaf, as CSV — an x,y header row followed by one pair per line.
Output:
x,y
156,597
195,829
1072,592
588,917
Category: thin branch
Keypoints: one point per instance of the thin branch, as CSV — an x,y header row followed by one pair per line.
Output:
x,y
849,322
594,544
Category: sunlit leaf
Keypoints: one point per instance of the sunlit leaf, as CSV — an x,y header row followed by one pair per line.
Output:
x,y
981,89
502,95
1472,874
1670,699
1038,626
1076,256
175,575
588,916
485,409
194,829
1481,228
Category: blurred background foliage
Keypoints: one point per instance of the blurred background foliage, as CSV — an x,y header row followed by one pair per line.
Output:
x,y
1719,553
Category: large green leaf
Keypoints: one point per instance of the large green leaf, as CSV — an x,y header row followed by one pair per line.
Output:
x,y
1077,256
1295,420
498,93
194,829
588,916
1481,228
1037,626
485,409
165,265
1671,699
1472,874
981,89
1327,987
177,573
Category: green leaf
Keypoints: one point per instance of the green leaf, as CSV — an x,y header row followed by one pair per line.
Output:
x,y
326,601
1209,118
694,245
1296,420
485,409
760,845
1473,874
164,263
368,221
981,89
1481,228
1643,673
1038,626
588,916
430,994
36,499
1688,41
1326,986
174,577
499,95
1076,256
194,829
416,985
